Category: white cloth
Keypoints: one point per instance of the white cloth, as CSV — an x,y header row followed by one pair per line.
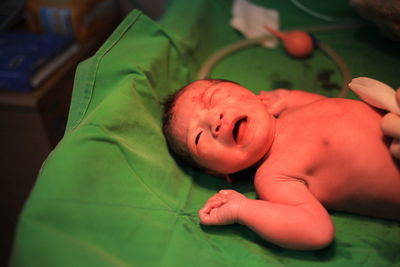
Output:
x,y
249,20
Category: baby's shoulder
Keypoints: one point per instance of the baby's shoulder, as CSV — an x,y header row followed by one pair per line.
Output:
x,y
334,108
342,104
337,103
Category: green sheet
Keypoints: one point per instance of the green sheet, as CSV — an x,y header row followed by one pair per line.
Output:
x,y
110,194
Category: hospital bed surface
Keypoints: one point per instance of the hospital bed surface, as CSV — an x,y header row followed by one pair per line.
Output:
x,y
111,194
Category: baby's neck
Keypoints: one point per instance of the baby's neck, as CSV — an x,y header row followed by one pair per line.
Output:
x,y
274,133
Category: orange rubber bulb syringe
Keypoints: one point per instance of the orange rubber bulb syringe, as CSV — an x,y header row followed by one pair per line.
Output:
x,y
298,44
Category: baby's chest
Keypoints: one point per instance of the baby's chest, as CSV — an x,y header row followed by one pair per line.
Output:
x,y
332,165
306,159
322,141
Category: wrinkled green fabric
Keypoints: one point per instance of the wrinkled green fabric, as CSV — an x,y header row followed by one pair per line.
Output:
x,y
111,194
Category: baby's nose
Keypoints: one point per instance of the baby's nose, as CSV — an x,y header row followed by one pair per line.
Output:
x,y
216,127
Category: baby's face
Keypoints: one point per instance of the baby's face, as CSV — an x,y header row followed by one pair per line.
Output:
x,y
223,126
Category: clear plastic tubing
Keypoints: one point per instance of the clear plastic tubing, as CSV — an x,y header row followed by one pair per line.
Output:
x,y
330,52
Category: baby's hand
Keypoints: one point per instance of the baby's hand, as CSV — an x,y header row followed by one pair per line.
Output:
x,y
275,100
222,208
391,127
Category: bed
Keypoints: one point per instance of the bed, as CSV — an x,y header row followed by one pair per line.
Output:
x,y
111,194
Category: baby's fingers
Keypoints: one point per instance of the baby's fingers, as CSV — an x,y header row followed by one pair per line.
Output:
x,y
215,201
206,217
207,214
211,204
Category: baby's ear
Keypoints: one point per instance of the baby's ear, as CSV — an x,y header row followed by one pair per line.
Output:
x,y
226,177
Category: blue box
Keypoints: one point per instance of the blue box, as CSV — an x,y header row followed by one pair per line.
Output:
x,y
22,54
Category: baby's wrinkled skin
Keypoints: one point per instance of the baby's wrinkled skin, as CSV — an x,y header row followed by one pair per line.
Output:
x,y
312,153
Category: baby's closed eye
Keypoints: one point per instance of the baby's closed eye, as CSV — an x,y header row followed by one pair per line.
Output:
x,y
198,138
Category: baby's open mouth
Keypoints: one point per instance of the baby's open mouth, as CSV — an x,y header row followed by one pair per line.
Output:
x,y
239,129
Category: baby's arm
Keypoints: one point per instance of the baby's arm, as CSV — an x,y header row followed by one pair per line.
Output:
x,y
280,100
287,214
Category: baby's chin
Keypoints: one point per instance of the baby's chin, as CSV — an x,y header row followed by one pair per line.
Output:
x,y
236,166
248,159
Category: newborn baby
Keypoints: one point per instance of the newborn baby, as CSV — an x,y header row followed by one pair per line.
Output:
x,y
312,153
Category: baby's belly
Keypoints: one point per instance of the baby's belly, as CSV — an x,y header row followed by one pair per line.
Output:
x,y
372,188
